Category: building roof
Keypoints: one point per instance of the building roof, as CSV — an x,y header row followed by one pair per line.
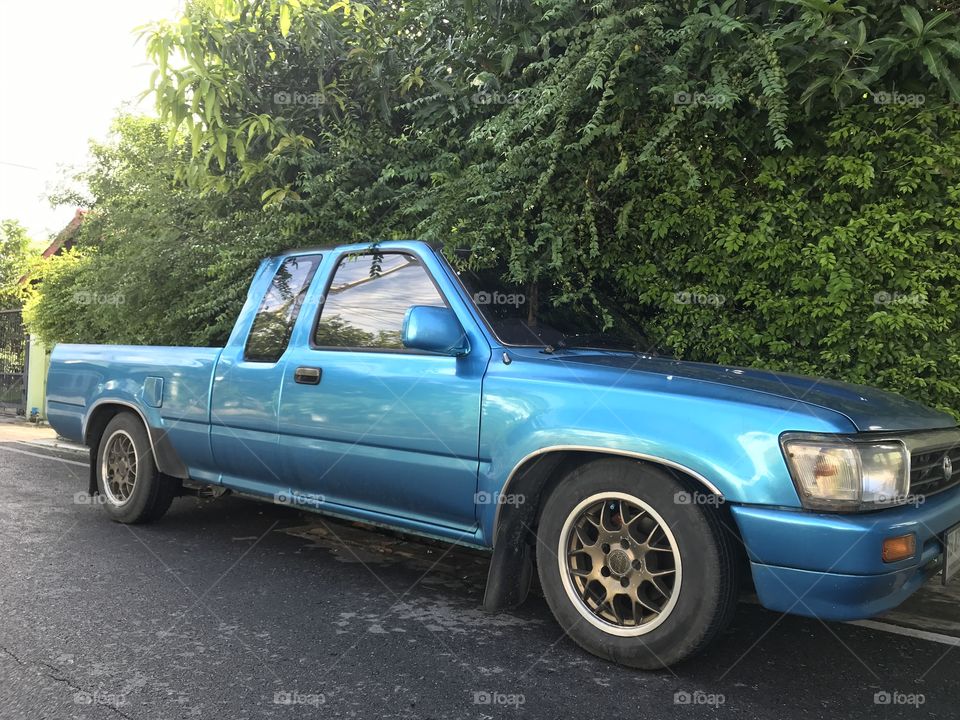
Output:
x,y
64,240
66,237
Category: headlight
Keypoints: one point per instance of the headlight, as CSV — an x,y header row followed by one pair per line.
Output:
x,y
844,474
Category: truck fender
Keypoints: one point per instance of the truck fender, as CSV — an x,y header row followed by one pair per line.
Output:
x,y
95,421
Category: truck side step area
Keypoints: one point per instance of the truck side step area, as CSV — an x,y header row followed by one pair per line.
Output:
x,y
203,491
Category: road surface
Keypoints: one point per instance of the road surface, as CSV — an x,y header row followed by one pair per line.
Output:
x,y
230,608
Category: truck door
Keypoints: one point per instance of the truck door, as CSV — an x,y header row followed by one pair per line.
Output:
x,y
246,388
368,424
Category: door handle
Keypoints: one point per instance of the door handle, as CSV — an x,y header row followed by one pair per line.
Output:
x,y
307,375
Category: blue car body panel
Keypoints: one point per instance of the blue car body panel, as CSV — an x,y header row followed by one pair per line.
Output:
x,y
244,409
389,432
867,408
422,441
91,376
830,566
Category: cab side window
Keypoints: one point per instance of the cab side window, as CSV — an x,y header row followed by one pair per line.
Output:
x,y
368,298
273,325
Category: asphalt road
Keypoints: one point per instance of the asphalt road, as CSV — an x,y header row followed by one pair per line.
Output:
x,y
234,609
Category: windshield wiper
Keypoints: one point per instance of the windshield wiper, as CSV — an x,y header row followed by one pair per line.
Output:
x,y
575,341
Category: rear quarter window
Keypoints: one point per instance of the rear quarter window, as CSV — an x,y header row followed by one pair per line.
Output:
x,y
273,324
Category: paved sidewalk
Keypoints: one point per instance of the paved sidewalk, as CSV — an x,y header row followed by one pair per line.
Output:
x,y
19,430
42,437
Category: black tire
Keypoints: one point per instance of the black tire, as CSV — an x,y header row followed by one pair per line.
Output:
x,y
151,493
707,588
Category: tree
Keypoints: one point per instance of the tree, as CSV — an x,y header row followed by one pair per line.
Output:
x,y
156,261
796,158
15,256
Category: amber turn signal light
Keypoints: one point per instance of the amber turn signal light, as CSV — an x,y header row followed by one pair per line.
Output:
x,y
899,548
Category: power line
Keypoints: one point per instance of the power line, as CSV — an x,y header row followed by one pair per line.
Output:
x,y
25,167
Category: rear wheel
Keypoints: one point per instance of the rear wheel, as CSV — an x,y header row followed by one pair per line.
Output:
x,y
133,489
632,570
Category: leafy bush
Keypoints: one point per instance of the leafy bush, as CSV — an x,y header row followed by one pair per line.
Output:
x,y
15,258
766,183
157,262
843,264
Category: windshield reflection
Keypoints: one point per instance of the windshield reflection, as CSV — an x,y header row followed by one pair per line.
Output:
x,y
544,313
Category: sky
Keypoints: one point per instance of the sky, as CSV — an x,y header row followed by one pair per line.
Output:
x,y
66,68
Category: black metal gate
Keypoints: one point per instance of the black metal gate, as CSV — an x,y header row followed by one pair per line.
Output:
x,y
13,359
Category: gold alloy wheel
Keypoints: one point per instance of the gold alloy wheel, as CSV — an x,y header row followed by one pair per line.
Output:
x,y
119,468
619,564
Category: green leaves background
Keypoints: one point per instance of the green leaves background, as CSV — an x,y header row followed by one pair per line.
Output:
x,y
798,158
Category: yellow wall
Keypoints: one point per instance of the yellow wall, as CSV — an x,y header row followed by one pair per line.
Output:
x,y
37,377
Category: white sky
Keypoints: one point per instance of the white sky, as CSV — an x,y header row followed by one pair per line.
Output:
x,y
66,67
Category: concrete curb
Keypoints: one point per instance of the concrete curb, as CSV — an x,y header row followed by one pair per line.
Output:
x,y
57,444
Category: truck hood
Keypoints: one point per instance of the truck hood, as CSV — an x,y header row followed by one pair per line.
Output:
x,y
868,408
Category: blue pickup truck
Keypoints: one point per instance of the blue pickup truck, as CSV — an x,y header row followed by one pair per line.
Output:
x,y
386,384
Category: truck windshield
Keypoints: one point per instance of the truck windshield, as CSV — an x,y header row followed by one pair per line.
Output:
x,y
546,313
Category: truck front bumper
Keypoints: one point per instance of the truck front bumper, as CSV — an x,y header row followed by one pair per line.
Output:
x,y
831,566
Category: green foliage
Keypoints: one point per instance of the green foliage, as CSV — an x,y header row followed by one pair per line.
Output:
x,y
15,258
842,264
789,161
157,263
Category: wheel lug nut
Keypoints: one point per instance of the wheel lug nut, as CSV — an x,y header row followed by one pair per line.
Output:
x,y
605,548
624,582
637,564
624,543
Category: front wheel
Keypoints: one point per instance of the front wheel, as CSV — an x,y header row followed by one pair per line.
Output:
x,y
632,570
132,488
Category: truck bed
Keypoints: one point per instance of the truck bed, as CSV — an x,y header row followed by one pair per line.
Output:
x,y
128,373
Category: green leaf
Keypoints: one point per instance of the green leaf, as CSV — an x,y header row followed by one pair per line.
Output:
x,y
952,47
952,84
931,61
508,56
912,18
937,20
285,19
813,87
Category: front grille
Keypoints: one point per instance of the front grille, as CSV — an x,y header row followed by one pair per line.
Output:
x,y
927,474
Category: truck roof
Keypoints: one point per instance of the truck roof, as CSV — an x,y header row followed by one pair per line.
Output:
x,y
384,244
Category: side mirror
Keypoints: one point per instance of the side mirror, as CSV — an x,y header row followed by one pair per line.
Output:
x,y
435,329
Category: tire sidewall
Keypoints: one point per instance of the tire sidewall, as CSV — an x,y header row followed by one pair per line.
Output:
x,y
144,487
699,600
